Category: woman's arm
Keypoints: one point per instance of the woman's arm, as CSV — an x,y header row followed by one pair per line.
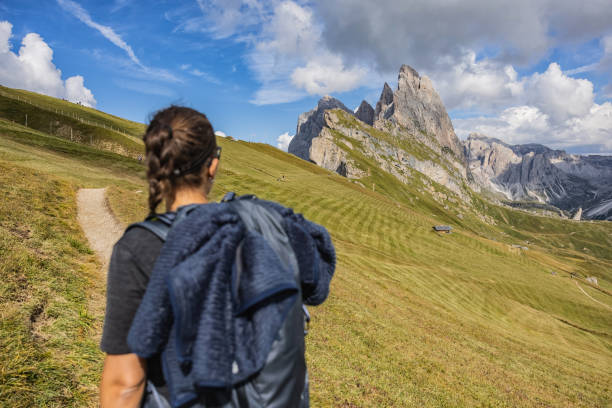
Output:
x,y
123,380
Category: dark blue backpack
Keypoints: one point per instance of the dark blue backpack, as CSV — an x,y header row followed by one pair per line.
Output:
x,y
283,381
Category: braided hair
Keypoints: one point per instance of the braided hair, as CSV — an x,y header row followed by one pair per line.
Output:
x,y
177,142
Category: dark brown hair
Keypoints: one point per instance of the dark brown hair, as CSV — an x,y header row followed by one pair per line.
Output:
x,y
177,142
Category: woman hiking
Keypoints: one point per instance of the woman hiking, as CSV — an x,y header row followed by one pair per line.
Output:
x,y
205,301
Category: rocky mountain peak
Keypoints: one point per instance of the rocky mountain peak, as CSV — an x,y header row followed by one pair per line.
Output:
x,y
408,77
416,106
385,103
310,124
365,113
329,102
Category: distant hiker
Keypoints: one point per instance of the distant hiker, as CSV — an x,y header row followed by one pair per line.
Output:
x,y
211,292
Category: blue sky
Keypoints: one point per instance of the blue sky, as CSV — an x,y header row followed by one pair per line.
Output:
x,y
521,72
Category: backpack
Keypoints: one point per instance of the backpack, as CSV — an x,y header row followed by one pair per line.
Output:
x,y
283,381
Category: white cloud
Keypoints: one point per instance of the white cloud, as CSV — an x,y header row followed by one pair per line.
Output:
x,y
286,52
6,30
33,69
282,142
220,133
124,67
554,110
320,79
528,124
558,95
76,91
290,59
470,84
487,86
79,12
549,107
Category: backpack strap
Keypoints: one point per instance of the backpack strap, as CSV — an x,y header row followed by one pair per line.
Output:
x,y
160,224
231,196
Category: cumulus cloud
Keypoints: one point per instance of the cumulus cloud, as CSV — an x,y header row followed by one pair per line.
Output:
x,y
471,84
528,124
558,95
553,109
287,54
319,78
282,142
76,91
487,86
220,133
32,68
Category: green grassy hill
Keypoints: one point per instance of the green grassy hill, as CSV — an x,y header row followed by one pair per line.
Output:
x,y
414,318
71,121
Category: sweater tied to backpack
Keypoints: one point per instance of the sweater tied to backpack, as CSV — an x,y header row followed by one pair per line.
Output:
x,y
213,321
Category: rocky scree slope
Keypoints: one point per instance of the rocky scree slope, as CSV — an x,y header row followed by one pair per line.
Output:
x,y
533,172
408,131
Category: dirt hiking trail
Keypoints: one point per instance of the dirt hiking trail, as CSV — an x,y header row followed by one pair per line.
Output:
x,y
98,222
592,298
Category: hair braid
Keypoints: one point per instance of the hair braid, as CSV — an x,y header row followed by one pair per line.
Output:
x,y
157,171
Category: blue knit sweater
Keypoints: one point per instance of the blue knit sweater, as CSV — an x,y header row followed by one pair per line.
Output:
x,y
212,331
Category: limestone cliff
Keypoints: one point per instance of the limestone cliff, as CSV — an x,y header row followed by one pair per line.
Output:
x,y
310,125
416,106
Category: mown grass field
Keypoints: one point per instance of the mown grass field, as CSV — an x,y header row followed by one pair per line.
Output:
x,y
414,318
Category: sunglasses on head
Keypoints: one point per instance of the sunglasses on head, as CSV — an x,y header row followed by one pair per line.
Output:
x,y
196,164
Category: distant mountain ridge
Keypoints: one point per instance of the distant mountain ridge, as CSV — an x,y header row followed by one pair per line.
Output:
x,y
535,172
410,130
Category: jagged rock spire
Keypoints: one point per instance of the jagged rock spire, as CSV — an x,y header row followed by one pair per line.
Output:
x,y
416,106
365,113
384,103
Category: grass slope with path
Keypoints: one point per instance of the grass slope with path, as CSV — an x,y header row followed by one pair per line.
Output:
x,y
413,318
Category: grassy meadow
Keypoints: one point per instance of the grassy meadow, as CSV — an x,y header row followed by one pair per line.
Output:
x,y
414,319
